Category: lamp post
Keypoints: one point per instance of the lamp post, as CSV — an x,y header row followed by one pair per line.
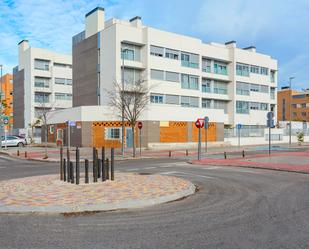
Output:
x,y
123,52
1,118
290,107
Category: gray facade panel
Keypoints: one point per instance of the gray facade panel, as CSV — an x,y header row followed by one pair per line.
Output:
x,y
87,134
220,132
85,76
19,99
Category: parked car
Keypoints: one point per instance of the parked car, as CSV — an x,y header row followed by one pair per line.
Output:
x,y
13,141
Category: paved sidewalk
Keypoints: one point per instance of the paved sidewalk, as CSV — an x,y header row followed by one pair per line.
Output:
x,y
49,194
284,161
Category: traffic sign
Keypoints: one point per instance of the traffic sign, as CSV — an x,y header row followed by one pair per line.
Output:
x,y
6,120
199,123
71,123
206,122
140,125
270,123
238,126
270,115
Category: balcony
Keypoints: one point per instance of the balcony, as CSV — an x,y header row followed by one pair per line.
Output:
x,y
189,64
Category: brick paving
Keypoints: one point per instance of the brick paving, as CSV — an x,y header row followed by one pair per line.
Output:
x,y
285,161
49,194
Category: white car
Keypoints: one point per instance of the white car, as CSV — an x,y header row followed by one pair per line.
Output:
x,y
13,141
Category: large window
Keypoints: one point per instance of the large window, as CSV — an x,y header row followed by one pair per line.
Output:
x,y
206,103
132,76
242,88
220,104
272,76
242,107
220,67
188,101
254,69
156,51
60,81
272,92
41,64
189,60
156,98
41,82
157,74
254,87
206,65
113,133
242,69
172,54
264,71
130,52
206,86
171,99
220,87
62,65
41,97
189,82
171,76
63,96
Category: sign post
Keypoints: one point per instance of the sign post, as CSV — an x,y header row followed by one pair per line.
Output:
x,y
238,127
70,123
270,124
199,124
206,125
5,122
140,126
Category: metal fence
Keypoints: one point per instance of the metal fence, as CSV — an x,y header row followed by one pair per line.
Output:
x,y
294,132
244,132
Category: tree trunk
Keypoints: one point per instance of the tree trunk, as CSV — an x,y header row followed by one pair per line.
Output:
x,y
133,140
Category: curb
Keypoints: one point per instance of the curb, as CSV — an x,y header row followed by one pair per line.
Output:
x,y
131,204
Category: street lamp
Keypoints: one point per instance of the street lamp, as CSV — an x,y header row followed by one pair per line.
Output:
x,y
1,66
290,107
123,52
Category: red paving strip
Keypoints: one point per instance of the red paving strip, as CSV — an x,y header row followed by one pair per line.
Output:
x,y
242,162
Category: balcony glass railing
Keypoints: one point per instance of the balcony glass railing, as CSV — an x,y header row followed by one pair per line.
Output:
x,y
189,64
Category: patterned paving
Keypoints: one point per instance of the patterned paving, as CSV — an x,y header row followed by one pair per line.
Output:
x,y
48,191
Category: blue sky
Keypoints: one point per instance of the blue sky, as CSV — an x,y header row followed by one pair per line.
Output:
x,y
278,28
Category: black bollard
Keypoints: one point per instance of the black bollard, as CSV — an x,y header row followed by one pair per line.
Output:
x,y
61,163
169,153
107,169
224,155
17,152
77,166
99,167
68,172
103,155
68,156
187,153
72,172
86,171
243,153
112,165
93,161
103,171
64,170
26,154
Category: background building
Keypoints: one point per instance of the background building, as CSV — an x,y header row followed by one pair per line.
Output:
x,y
188,79
293,105
42,81
7,97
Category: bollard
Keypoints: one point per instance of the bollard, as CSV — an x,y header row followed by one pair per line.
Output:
x,y
86,171
77,166
243,153
64,170
68,156
72,172
61,163
93,161
103,155
224,155
17,152
112,164
103,171
99,167
106,169
187,153
26,154
68,172
169,153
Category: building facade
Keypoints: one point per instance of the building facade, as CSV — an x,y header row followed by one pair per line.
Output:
x,y
7,97
293,105
188,79
42,81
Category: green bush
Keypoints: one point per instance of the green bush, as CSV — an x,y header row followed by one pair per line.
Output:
x,y
300,137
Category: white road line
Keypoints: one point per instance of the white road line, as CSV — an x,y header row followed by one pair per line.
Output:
x,y
131,169
184,173
212,167
149,168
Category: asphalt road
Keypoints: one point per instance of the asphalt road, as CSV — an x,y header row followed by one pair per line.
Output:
x,y
234,208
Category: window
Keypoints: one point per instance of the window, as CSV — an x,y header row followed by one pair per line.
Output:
x,y
113,133
189,60
304,114
254,69
242,69
41,97
272,76
206,65
220,87
172,54
157,74
156,51
132,76
272,107
303,105
264,89
254,88
187,101
62,65
206,103
69,81
206,86
272,93
69,96
220,67
60,81
219,104
38,112
264,107
172,99
156,98
130,52
189,82
242,88
254,106
41,82
60,96
41,64
264,71
242,107
283,110
171,76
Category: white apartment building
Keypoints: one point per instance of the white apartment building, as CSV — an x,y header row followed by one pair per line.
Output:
x,y
188,78
41,81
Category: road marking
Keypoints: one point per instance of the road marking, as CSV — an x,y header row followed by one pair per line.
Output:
x,y
149,168
131,169
185,173
212,167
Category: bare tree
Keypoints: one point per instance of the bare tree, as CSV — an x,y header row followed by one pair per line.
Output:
x,y
131,99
